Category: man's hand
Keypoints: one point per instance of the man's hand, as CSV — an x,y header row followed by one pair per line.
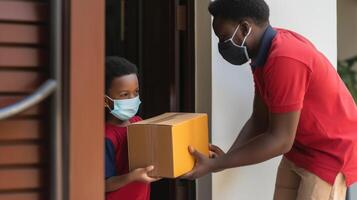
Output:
x,y
203,165
141,175
215,151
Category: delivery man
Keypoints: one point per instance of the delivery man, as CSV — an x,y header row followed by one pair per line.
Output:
x,y
302,109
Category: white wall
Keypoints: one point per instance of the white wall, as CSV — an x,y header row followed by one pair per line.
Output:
x,y
232,93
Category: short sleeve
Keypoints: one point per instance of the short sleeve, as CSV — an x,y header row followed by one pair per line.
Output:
x,y
286,81
109,159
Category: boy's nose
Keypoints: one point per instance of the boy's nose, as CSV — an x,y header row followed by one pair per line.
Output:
x,y
132,96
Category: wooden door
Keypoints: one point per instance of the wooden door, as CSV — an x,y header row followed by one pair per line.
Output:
x,y
27,164
168,73
24,138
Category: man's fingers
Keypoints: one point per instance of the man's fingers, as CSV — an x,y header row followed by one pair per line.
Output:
x,y
191,149
215,148
212,154
189,175
197,155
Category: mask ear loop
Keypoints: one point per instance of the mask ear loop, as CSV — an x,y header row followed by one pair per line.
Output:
x,y
106,105
109,98
234,34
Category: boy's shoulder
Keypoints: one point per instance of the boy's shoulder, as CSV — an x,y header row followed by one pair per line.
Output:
x,y
114,134
135,119
117,134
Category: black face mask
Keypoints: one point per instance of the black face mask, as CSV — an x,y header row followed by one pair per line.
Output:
x,y
233,53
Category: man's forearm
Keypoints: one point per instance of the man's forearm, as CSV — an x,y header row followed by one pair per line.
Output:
x,y
259,149
248,132
256,125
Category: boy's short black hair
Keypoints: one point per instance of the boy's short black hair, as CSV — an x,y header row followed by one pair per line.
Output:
x,y
115,67
237,10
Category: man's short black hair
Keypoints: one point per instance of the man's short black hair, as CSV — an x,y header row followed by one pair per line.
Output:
x,y
116,67
237,10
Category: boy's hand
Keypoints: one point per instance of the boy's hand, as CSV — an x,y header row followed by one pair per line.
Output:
x,y
215,151
203,165
141,174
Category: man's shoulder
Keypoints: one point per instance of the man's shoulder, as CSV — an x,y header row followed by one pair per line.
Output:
x,y
289,44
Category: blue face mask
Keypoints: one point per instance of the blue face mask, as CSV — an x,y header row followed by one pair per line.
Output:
x,y
125,109
232,52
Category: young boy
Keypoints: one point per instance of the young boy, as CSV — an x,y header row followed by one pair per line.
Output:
x,y
122,103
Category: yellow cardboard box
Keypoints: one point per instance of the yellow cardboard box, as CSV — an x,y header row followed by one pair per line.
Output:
x,y
163,141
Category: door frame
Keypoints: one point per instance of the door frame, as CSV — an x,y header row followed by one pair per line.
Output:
x,y
83,75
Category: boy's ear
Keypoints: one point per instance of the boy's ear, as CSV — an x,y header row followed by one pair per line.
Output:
x,y
106,101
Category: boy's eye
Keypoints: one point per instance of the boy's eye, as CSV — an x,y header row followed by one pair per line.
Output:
x,y
124,94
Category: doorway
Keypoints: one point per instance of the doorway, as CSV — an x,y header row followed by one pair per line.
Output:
x,y
158,36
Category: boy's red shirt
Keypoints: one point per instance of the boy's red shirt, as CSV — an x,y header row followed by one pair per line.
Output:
x,y
116,164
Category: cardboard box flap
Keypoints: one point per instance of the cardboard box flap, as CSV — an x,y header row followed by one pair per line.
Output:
x,y
170,119
157,118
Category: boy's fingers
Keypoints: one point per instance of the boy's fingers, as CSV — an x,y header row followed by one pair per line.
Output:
x,y
157,179
153,179
149,168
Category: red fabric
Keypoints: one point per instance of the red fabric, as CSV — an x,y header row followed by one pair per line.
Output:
x,y
132,191
297,77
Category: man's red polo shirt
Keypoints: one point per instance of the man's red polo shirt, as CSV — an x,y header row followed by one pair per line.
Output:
x,y
290,74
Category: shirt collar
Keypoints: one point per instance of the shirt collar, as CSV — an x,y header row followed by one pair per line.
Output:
x,y
264,47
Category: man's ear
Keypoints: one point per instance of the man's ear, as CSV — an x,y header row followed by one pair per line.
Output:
x,y
245,27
